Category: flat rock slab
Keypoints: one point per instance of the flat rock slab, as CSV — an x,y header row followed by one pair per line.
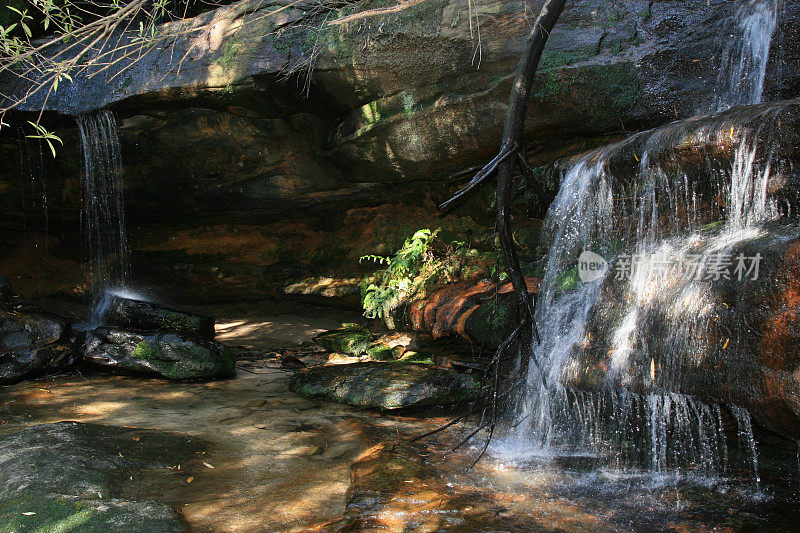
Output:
x,y
127,313
90,477
385,386
166,355
38,513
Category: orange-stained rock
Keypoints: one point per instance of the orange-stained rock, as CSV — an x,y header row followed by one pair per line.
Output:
x,y
454,309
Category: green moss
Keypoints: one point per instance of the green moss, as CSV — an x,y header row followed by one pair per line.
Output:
x,y
562,58
229,52
418,358
617,90
39,513
613,19
145,350
52,514
381,352
352,339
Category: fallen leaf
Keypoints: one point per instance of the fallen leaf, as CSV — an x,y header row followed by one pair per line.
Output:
x,y
189,479
207,465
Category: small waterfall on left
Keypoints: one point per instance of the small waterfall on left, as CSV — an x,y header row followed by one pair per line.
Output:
x,y
103,212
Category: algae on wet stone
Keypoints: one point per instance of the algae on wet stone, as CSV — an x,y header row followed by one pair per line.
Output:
x,y
167,355
350,339
141,315
57,513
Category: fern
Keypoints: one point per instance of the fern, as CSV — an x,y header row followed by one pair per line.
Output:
x,y
396,282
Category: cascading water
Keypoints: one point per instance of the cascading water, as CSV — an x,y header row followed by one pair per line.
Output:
x,y
103,214
744,60
657,323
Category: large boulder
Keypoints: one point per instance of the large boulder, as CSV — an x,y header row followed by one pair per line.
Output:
x,y
162,354
385,386
739,344
720,340
74,476
32,343
141,315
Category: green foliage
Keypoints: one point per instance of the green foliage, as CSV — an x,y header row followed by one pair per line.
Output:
x,y
46,136
396,281
419,264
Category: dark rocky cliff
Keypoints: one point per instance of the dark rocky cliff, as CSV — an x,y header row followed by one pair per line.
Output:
x,y
237,180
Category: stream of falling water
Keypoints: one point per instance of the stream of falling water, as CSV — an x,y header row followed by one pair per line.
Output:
x,y
744,60
103,214
659,321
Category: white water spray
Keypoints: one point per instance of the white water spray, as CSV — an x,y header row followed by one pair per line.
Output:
x,y
103,214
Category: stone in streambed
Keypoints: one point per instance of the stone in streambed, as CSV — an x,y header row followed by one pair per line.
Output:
x,y
161,354
128,313
350,339
71,476
385,386
32,343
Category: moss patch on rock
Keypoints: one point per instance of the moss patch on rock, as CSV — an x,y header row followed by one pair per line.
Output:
x,y
166,355
350,339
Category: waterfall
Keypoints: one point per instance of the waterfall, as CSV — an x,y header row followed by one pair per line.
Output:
x,y
103,213
656,322
744,60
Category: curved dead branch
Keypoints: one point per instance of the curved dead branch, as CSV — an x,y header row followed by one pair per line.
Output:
x,y
519,341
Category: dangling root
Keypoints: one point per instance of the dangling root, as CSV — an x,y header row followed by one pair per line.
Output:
x,y
520,339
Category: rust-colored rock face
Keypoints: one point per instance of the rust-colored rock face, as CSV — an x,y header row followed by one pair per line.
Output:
x,y
779,349
477,311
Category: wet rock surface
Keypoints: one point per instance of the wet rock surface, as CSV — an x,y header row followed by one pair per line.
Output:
x,y
85,477
385,386
127,313
32,342
163,354
745,347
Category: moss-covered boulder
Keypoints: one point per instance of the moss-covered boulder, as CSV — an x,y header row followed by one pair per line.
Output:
x,y
385,386
71,476
383,352
350,339
166,355
140,315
